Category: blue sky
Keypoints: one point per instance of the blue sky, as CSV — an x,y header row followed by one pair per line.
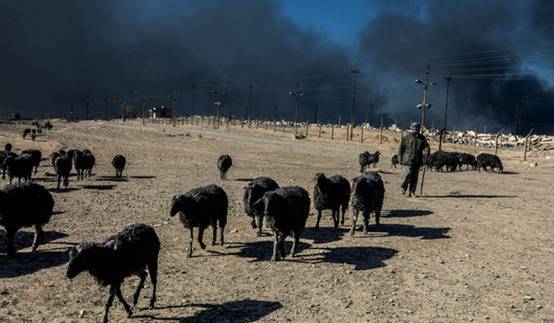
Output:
x,y
340,20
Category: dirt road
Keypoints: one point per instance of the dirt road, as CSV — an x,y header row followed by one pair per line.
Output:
x,y
478,247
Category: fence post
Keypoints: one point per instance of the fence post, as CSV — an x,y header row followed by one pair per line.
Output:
x,y
496,145
362,135
332,131
525,145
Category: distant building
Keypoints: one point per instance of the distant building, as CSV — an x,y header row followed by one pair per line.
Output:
x,y
160,112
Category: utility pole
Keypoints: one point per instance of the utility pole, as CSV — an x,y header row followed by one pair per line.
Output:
x,y
424,105
370,114
192,87
274,118
174,104
516,122
297,94
443,130
249,110
354,72
218,103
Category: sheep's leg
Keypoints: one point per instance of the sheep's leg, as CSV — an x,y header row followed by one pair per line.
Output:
x,y
335,218
189,252
153,270
109,303
122,300
275,246
258,223
10,235
354,219
282,245
140,286
366,220
377,217
295,242
59,181
201,237
39,237
342,215
214,233
318,219
221,234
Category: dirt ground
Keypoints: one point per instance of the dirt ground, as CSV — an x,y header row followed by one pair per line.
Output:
x,y
477,247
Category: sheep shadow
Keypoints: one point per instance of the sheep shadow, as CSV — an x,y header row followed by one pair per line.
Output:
x,y
98,187
507,172
245,310
323,234
262,250
363,258
407,213
407,230
111,179
143,177
63,190
24,239
28,263
468,196
244,179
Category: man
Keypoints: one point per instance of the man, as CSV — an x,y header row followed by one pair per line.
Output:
x,y
413,148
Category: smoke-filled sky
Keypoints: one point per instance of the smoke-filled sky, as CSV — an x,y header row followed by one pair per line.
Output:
x,y
58,55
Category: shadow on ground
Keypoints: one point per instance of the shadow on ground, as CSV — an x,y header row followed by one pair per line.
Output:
x,y
262,250
407,213
98,187
31,262
243,179
406,230
111,179
24,239
63,190
26,263
469,196
323,234
363,258
246,310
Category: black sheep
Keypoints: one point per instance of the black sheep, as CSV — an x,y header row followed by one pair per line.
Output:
x,y
3,155
468,160
224,162
252,193
440,160
202,207
125,254
394,161
366,160
62,165
333,194
8,147
84,162
368,193
21,206
118,162
287,209
485,160
26,131
20,167
37,157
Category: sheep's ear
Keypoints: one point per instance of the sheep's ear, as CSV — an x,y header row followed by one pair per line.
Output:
x,y
75,251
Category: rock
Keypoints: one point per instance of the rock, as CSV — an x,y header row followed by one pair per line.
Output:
x,y
81,313
528,298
